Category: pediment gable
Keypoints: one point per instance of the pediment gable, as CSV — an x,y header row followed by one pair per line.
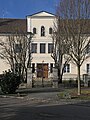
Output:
x,y
42,14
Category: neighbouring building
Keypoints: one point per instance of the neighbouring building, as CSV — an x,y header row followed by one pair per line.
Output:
x,y
41,24
9,27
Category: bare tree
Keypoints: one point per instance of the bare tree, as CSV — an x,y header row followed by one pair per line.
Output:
x,y
75,16
60,48
16,50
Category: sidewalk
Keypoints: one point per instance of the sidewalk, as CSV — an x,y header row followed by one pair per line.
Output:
x,y
41,89
47,96
40,96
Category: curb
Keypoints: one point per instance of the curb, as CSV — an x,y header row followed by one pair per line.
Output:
x,y
7,96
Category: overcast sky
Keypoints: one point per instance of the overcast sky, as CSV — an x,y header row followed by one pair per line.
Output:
x,y
21,8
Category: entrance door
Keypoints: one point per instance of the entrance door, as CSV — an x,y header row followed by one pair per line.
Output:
x,y
42,70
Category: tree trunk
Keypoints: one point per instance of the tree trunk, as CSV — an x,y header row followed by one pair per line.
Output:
x,y
59,76
60,68
26,74
79,87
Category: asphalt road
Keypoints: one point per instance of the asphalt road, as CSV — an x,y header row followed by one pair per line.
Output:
x,y
20,109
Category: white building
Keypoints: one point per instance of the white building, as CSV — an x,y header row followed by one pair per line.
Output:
x,y
41,24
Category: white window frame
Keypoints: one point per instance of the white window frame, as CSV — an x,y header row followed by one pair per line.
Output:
x,y
44,50
32,48
88,70
67,69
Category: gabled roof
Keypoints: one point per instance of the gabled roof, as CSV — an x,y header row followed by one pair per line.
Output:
x,y
42,14
12,25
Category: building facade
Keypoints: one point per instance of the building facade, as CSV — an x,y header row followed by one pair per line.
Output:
x,y
41,24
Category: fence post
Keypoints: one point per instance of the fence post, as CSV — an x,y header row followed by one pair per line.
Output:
x,y
55,78
85,79
29,77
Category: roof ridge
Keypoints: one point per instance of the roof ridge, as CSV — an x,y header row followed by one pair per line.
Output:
x,y
41,12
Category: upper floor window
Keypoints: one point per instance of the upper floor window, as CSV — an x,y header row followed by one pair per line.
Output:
x,y
50,30
42,48
34,30
88,68
18,48
42,31
67,68
50,47
88,48
34,48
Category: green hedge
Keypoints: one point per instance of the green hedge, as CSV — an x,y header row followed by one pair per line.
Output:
x,y
9,82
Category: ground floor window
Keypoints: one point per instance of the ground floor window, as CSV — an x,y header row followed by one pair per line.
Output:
x,y
88,68
33,67
51,67
67,68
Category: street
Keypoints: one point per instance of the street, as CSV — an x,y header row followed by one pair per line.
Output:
x,y
20,109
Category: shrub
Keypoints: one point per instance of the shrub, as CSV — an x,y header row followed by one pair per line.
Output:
x,y
70,83
89,83
9,82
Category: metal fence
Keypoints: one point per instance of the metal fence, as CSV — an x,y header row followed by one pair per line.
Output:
x,y
69,82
